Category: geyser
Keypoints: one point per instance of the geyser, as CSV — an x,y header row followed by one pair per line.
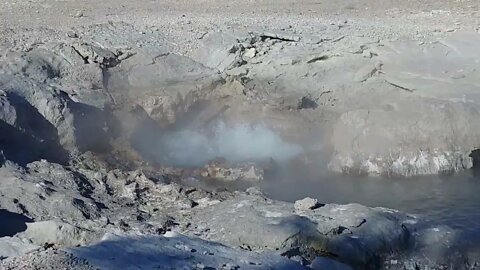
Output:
x,y
236,143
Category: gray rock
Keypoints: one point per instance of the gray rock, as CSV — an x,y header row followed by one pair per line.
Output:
x,y
61,120
46,259
250,53
364,73
166,89
404,85
403,137
40,199
232,172
95,54
8,112
374,132
306,204
78,14
175,251
220,51
356,234
72,34
14,247
57,233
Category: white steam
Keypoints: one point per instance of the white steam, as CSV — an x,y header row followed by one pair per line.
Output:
x,y
238,143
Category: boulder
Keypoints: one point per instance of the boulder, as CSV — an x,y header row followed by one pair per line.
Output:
x,y
220,50
306,204
15,247
57,233
354,234
39,198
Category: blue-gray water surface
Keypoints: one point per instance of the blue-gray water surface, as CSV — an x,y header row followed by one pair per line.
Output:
x,y
453,201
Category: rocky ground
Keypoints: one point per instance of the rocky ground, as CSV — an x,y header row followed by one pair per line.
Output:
x,y
111,110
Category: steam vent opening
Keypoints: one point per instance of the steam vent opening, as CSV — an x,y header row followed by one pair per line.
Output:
x,y
266,134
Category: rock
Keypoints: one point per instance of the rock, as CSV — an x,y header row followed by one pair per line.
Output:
x,y
321,263
317,57
28,193
306,103
164,90
420,88
225,172
250,53
277,36
219,50
356,234
79,14
8,112
374,132
150,252
72,34
364,73
57,233
46,259
367,54
89,86
254,191
95,54
306,204
61,121
230,266
15,247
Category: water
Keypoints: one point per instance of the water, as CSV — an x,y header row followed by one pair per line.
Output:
x,y
452,201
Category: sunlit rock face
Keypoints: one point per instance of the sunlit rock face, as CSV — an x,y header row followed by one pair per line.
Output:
x,y
429,125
